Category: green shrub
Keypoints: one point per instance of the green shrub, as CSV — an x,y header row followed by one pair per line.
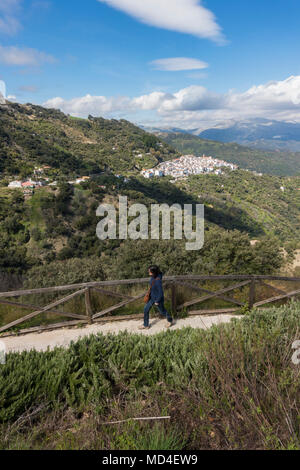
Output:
x,y
246,364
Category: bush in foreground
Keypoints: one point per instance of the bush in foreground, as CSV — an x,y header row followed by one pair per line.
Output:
x,y
231,387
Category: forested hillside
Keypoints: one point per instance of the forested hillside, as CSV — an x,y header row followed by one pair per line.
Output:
x,y
40,234
49,234
271,203
31,135
281,163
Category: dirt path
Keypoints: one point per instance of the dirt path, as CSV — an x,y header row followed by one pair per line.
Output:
x,y
63,338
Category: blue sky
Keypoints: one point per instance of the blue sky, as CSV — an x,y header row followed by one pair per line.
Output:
x,y
185,63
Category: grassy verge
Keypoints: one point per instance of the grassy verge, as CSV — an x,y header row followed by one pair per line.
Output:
x,y
232,387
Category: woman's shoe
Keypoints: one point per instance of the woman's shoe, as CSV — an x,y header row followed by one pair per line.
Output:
x,y
144,327
169,325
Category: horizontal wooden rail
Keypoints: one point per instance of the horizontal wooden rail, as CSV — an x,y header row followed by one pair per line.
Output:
x,y
231,277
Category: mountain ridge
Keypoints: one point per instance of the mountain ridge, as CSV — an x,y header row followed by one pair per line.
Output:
x,y
258,133
32,135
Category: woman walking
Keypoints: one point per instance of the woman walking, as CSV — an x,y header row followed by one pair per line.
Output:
x,y
155,296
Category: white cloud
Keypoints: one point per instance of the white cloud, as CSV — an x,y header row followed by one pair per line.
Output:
x,y
88,104
177,64
274,95
153,101
195,106
184,16
9,10
11,55
191,99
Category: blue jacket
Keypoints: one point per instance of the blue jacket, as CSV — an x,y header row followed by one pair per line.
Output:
x,y
157,292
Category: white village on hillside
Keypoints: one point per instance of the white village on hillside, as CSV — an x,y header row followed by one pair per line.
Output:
x,y
189,165
181,167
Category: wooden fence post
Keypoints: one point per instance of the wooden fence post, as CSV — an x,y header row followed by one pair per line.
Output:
x,y
252,294
88,305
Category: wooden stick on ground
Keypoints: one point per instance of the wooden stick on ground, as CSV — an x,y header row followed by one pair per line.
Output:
x,y
137,419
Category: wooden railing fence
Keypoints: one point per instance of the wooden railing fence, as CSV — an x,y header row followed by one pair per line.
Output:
x,y
174,282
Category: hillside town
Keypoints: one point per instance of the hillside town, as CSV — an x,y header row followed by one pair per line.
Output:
x,y
189,165
179,168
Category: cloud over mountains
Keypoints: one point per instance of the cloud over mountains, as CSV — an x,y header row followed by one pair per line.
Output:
x,y
195,106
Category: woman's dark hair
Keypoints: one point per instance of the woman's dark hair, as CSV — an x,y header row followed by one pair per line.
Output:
x,y
155,270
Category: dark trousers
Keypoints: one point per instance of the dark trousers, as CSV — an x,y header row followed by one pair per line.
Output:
x,y
161,308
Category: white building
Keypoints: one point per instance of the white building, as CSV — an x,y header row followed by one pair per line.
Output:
x,y
15,184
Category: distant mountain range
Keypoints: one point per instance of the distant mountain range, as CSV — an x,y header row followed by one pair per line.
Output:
x,y
262,134
257,133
